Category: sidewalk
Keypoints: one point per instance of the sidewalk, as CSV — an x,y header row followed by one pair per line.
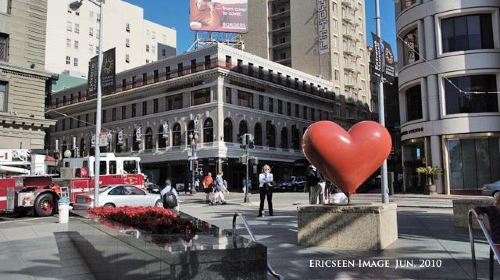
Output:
x,y
426,232
38,248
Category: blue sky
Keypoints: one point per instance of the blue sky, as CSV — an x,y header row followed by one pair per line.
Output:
x,y
175,13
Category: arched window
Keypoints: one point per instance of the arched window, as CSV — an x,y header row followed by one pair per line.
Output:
x,y
271,134
258,134
243,128
135,141
82,147
228,130
118,147
190,130
295,138
176,135
162,141
208,130
148,139
284,138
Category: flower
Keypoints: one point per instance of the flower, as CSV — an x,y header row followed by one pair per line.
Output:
x,y
152,219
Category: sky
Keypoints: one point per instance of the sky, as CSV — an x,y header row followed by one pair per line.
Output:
x,y
175,14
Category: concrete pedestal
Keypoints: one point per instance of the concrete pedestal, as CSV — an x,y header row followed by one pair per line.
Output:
x,y
461,209
370,226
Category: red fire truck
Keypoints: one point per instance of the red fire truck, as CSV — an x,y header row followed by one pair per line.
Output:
x,y
41,193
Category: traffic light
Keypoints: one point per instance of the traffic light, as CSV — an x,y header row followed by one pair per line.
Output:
x,y
249,140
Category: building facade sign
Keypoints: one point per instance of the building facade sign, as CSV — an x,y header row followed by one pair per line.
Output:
x,y
323,28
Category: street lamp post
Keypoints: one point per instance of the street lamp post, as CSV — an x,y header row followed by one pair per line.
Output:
x,y
75,6
194,139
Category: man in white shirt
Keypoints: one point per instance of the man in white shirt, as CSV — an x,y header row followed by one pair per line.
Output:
x,y
168,188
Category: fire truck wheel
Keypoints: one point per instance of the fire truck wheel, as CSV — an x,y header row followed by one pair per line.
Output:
x,y
109,205
159,203
44,205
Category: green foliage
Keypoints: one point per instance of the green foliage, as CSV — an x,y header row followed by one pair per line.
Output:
x,y
430,171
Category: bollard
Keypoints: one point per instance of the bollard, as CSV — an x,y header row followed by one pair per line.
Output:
x,y
63,207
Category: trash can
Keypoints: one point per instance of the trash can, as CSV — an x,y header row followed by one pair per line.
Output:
x,y
63,207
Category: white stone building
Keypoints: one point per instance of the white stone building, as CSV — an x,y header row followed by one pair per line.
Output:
x,y
229,93
73,36
449,79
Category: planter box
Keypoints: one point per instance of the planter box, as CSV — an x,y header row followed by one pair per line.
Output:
x,y
114,251
461,209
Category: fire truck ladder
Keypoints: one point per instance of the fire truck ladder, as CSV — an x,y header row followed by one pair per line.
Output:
x,y
494,248
252,236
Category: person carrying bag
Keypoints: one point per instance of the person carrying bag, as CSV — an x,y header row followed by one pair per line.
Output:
x,y
266,186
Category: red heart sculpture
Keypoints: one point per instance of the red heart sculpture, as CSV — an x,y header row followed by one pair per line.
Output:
x,y
347,158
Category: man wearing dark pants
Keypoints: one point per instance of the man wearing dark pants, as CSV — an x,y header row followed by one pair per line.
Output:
x,y
266,189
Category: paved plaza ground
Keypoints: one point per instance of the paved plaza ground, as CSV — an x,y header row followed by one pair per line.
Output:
x,y
37,248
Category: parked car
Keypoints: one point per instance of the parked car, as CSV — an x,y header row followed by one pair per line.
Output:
x,y
119,195
152,188
492,189
295,183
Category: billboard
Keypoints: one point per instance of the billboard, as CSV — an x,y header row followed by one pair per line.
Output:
x,y
219,15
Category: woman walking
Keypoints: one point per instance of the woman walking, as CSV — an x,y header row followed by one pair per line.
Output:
x,y
266,189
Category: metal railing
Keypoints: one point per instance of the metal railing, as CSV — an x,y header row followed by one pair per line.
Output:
x,y
252,236
494,252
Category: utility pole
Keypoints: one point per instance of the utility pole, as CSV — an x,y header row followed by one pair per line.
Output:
x,y
383,171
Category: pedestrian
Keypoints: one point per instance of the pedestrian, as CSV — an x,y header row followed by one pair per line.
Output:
x,y
169,196
316,184
207,186
266,184
219,189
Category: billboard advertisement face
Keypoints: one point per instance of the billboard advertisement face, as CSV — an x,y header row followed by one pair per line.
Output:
x,y
219,15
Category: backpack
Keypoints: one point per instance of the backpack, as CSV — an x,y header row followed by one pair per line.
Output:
x,y
169,200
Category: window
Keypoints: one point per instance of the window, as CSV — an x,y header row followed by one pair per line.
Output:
x,y
227,97
164,52
228,130
68,43
112,167
208,130
180,69
413,103
124,112
127,27
130,166
3,97
200,96
147,48
124,84
155,106
4,47
77,28
469,32
127,58
477,95
76,44
229,62
75,61
174,102
127,42
245,99
156,76
5,6
144,108
410,47
176,135
289,109
271,105
69,26
91,32
261,102
133,82
304,112
148,139
134,110
104,116
280,107
113,114
337,75
407,3
297,110
145,78
167,72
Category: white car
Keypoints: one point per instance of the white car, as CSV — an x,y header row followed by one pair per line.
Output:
x,y
119,195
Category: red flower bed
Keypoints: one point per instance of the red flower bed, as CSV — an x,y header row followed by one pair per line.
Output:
x,y
152,219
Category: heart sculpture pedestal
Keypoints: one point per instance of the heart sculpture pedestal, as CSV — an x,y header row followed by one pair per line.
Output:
x,y
367,226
